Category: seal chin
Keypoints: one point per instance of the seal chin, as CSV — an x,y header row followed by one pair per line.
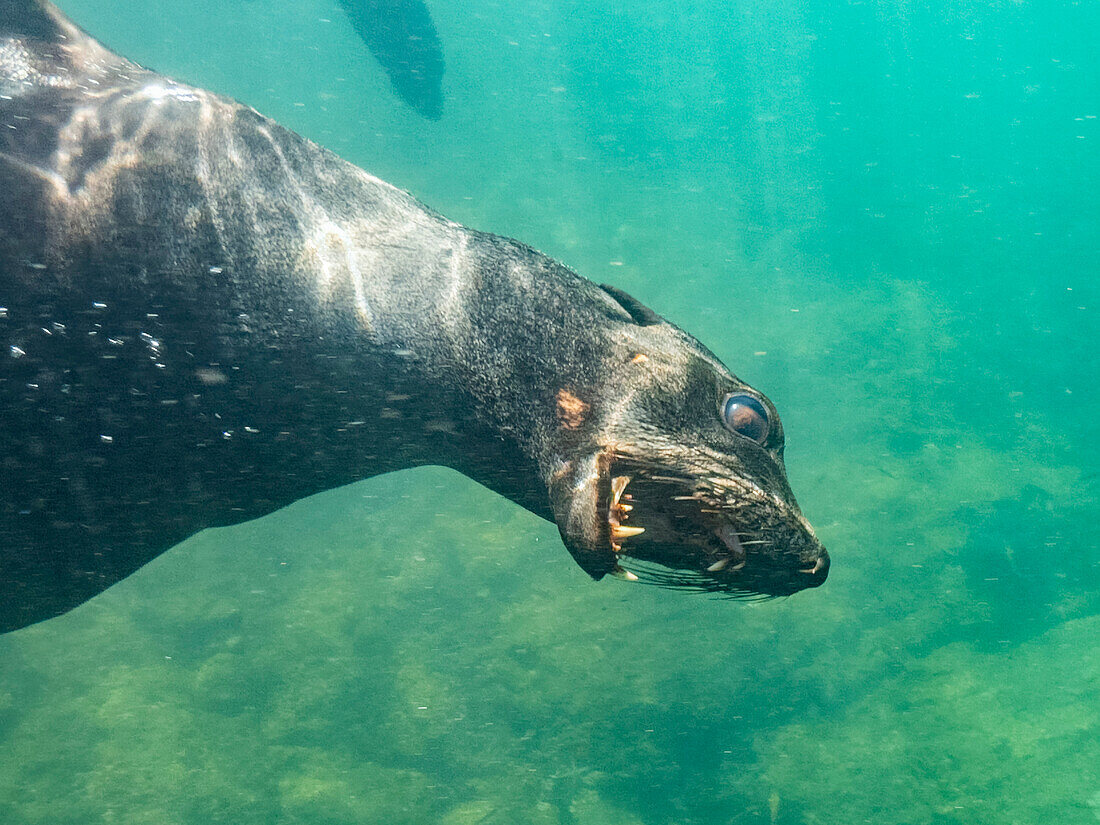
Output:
x,y
580,496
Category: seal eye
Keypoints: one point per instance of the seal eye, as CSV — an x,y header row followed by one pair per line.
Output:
x,y
746,416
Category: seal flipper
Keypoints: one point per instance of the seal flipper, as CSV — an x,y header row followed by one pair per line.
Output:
x,y
403,39
579,498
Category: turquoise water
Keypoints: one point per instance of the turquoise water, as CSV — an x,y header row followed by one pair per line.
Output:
x,y
886,217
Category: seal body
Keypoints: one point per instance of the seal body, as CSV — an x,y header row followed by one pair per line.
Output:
x,y
205,317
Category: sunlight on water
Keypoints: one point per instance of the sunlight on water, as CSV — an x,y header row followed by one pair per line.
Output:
x,y
885,217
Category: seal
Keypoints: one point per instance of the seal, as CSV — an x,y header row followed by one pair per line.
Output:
x,y
402,37
205,317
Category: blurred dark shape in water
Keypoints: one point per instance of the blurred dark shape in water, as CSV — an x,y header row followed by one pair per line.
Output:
x,y
402,37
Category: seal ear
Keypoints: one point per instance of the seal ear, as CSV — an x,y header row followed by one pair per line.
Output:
x,y
575,497
643,316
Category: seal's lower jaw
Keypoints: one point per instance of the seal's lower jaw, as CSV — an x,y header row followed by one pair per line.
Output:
x,y
715,535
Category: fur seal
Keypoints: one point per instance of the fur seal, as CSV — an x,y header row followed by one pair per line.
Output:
x,y
204,317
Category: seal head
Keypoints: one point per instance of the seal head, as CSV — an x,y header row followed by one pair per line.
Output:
x,y
671,471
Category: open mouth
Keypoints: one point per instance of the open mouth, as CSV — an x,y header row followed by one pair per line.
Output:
x,y
715,535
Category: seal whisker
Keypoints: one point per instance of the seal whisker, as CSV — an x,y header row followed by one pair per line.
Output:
x,y
689,582
672,479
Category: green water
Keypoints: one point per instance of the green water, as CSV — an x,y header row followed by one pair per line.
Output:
x,y
883,214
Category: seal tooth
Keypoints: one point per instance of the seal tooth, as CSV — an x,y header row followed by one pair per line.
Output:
x,y
618,484
813,570
619,531
625,575
718,565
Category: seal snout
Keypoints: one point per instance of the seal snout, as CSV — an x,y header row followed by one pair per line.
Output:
x,y
715,534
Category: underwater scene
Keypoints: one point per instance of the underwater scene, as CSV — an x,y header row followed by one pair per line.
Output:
x,y
884,215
